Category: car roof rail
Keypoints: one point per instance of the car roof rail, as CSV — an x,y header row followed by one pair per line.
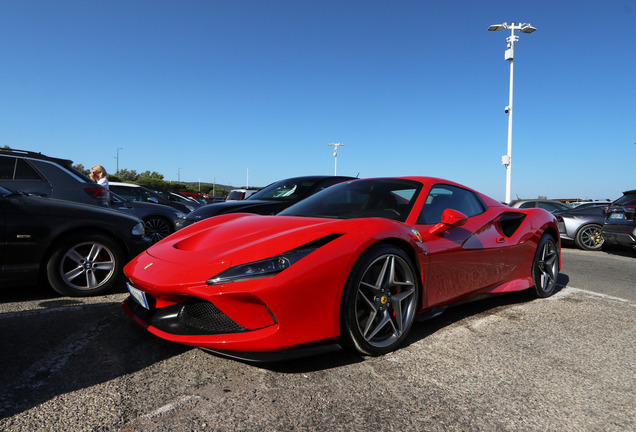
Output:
x,y
36,155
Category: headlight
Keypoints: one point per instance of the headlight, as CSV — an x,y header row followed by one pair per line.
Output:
x,y
259,269
138,230
180,215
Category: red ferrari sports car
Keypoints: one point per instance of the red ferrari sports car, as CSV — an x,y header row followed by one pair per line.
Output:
x,y
351,266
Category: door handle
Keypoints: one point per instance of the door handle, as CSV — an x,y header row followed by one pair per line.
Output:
x,y
501,240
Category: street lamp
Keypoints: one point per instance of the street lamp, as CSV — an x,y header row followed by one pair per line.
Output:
x,y
119,148
508,55
179,175
335,155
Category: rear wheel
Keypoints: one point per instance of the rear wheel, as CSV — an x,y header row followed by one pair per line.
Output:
x,y
379,301
157,229
85,265
589,237
545,268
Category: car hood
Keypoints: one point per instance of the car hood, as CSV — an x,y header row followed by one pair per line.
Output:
x,y
241,238
142,205
51,207
231,207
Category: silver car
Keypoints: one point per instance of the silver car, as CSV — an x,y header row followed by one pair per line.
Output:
x,y
582,226
549,205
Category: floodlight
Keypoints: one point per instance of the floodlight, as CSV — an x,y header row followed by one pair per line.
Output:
x,y
527,29
496,27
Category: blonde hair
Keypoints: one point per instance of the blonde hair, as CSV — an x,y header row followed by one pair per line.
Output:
x,y
101,170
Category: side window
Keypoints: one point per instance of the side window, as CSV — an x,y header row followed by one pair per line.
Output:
x,y
7,168
12,168
529,204
442,197
551,207
24,171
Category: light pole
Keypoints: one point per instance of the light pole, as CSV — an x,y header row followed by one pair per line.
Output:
x,y
119,148
509,55
179,175
335,155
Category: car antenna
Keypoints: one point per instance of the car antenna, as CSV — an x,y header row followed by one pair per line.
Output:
x,y
357,175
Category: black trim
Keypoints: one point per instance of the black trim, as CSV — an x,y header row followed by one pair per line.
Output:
x,y
270,357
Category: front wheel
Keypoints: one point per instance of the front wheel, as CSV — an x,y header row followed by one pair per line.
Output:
x,y
379,302
545,268
589,237
157,229
85,265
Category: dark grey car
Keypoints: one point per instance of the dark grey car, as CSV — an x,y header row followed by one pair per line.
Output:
x,y
620,221
582,226
159,220
134,192
36,174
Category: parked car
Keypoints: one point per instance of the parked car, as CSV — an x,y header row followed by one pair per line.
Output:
x,y
620,222
36,174
174,196
240,194
81,249
584,204
134,192
582,225
269,200
198,197
549,205
159,220
351,266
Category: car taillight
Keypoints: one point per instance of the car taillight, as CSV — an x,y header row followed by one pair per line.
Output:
x,y
98,194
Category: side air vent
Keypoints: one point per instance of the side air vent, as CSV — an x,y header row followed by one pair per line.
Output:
x,y
508,223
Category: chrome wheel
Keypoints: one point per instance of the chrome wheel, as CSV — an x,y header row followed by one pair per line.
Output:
x,y
589,238
546,266
157,229
381,301
87,266
84,265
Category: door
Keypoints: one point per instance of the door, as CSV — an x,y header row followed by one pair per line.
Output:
x,y
463,259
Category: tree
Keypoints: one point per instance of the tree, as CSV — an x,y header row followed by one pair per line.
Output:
x,y
127,175
81,169
6,147
542,197
150,175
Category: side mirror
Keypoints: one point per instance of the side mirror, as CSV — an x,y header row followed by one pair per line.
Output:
x,y
153,200
450,219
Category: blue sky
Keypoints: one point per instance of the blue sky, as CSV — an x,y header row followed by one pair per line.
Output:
x,y
206,90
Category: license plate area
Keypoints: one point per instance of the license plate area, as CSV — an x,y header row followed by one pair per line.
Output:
x,y
138,295
616,216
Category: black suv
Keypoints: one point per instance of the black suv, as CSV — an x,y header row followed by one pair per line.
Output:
x,y
620,221
36,174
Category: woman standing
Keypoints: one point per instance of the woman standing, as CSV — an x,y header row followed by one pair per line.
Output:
x,y
99,175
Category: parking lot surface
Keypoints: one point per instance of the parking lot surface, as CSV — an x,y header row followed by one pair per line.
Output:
x,y
503,363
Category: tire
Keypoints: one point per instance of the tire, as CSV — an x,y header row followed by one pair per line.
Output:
x,y
379,301
157,228
589,237
545,267
85,265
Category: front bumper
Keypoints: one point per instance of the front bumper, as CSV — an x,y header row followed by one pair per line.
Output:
x,y
186,323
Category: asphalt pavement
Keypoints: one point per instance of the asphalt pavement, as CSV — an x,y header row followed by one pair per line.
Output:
x,y
509,363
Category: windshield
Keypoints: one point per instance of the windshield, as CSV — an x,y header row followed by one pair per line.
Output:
x,y
285,190
383,198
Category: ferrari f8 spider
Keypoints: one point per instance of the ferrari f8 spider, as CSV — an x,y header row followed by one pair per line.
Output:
x,y
351,266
